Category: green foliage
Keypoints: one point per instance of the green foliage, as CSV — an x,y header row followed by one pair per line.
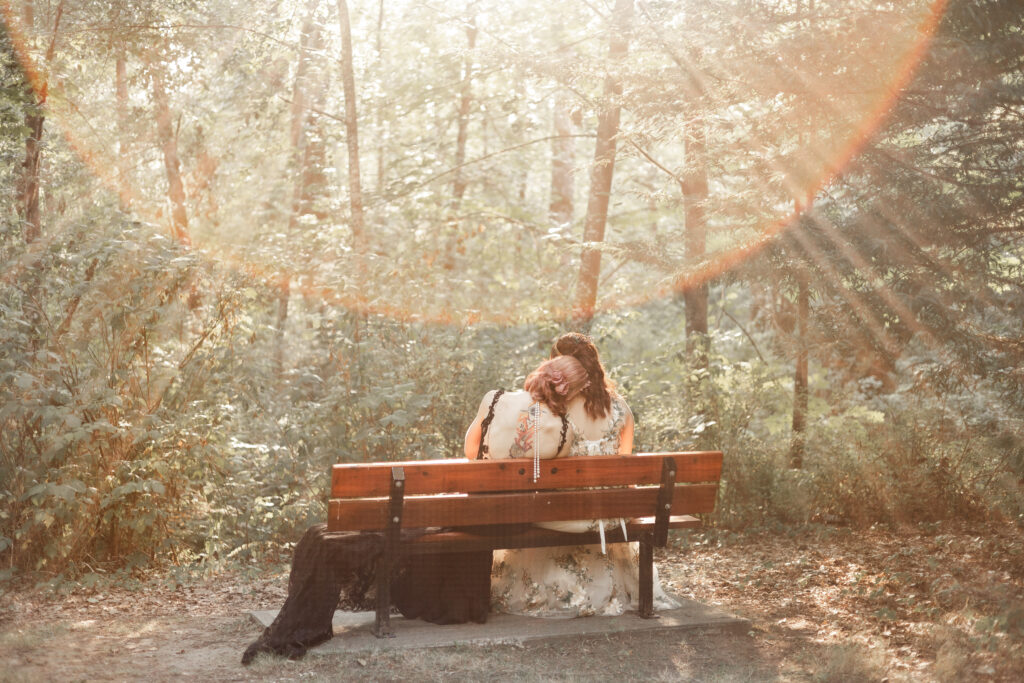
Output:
x,y
102,353
908,456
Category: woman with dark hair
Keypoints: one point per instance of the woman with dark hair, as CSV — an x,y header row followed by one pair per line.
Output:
x,y
580,580
600,417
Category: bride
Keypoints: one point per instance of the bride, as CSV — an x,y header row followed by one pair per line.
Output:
x,y
578,580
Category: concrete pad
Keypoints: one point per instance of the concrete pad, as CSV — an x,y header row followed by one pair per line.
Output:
x,y
353,630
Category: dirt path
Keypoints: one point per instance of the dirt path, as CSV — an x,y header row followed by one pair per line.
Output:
x,y
826,605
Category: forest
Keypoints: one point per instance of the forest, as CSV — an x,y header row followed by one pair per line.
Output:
x,y
807,257
243,241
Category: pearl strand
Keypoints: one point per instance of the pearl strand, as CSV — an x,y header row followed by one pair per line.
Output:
x,y
535,413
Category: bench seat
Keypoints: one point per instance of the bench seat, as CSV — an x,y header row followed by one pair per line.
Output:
x,y
502,501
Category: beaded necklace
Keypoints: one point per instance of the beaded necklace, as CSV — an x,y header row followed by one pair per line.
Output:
x,y
535,414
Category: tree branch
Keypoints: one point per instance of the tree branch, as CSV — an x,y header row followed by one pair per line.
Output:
x,y
745,333
655,162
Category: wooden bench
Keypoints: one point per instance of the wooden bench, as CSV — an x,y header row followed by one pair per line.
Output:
x,y
658,491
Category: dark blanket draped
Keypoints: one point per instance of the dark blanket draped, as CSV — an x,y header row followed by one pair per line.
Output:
x,y
337,570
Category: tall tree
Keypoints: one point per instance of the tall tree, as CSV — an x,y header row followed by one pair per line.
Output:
x,y
29,182
800,386
123,148
378,118
603,167
305,84
28,204
168,138
695,196
348,81
563,161
462,120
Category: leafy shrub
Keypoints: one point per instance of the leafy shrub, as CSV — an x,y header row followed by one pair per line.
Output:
x,y
100,445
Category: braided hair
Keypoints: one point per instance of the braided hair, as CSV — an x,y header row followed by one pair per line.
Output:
x,y
597,398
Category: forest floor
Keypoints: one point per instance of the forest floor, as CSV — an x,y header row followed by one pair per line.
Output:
x,y
940,602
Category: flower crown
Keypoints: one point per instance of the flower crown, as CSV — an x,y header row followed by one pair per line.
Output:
x,y
559,382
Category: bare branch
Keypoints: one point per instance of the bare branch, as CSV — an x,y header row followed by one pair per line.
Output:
x,y
655,162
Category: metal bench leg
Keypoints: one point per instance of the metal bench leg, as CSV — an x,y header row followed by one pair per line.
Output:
x,y
647,576
382,623
660,537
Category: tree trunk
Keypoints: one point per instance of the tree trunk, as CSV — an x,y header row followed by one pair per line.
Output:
x,y
172,165
300,167
124,192
355,192
281,320
28,202
800,391
465,100
603,168
379,111
308,152
563,161
695,193
28,185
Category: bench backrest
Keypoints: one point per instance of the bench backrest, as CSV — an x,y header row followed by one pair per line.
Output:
x,y
452,493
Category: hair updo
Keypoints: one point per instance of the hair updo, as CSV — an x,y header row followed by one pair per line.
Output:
x,y
555,382
597,396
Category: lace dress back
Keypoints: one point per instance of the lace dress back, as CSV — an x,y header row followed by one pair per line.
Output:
x,y
608,442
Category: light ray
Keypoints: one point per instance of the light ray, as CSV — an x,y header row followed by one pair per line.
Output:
x,y
722,263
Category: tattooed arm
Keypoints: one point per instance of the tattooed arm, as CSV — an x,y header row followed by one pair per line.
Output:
x,y
471,445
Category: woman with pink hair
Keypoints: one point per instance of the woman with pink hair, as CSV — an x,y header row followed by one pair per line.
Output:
x,y
530,423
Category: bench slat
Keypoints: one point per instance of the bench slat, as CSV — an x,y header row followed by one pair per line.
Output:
x,y
355,480
517,508
532,537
